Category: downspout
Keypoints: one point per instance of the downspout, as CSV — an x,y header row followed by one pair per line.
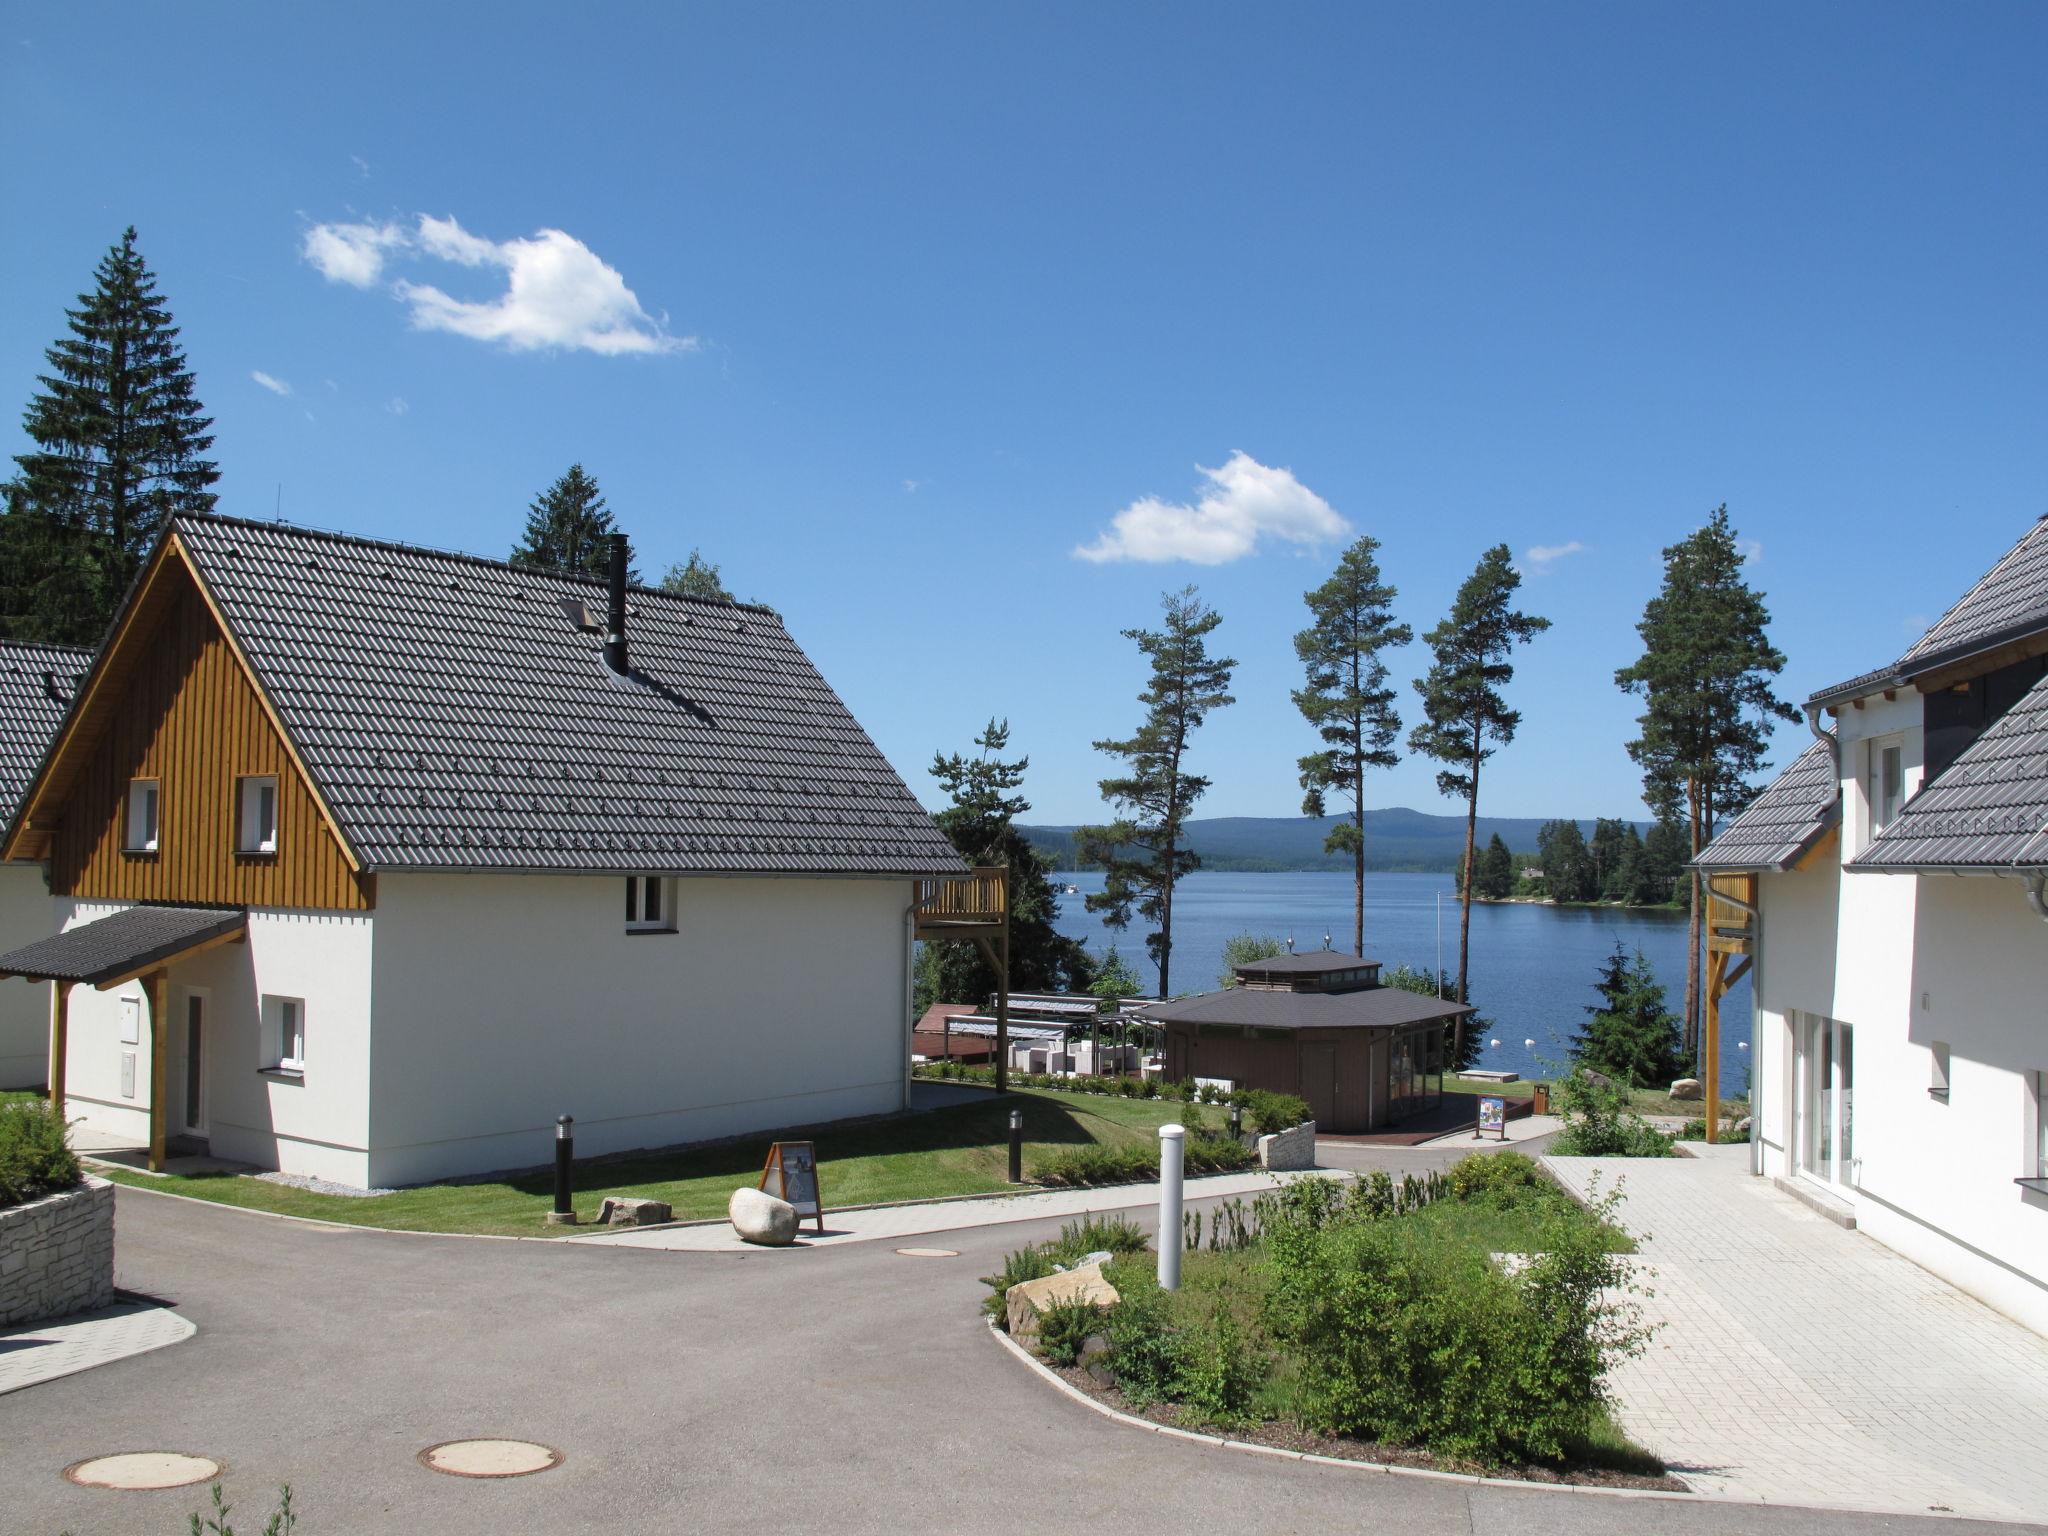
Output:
x,y
909,992
2037,891
1830,739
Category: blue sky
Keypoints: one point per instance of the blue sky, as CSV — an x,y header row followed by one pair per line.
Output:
x,y
892,309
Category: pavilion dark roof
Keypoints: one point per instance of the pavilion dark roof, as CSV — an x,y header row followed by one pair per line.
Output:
x,y
1311,962
37,683
453,718
1260,1008
1776,828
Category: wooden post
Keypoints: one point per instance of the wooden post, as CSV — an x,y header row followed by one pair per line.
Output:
x,y
60,1042
1003,1007
156,982
1717,967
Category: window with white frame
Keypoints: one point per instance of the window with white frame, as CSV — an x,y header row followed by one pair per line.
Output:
x,y
1937,1084
648,905
1887,783
144,798
256,814
284,1034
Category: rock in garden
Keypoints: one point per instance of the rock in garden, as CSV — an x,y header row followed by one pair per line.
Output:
x,y
1742,1126
758,1217
626,1211
1598,1079
1027,1299
1687,1088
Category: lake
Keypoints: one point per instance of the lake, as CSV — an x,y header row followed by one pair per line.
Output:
x,y
1533,967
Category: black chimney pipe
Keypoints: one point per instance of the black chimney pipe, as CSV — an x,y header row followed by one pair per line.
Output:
x,y
615,619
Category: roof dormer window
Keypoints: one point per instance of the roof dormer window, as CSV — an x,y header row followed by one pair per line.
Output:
x,y
143,800
256,814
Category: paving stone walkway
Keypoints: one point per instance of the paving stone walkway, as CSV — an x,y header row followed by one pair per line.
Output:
x,y
1801,1364
44,1351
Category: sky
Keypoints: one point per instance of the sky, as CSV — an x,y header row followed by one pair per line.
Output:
x,y
960,334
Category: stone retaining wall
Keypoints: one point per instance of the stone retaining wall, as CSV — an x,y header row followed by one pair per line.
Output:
x,y
57,1254
1289,1150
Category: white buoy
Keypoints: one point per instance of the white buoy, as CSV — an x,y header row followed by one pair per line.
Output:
x,y
1171,1139
1531,1044
1742,1045
1493,1045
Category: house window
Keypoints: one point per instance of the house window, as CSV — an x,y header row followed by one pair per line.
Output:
x,y
1887,784
1937,1086
284,1034
648,905
256,814
143,798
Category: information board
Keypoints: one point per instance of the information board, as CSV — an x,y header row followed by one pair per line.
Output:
x,y
792,1174
1493,1117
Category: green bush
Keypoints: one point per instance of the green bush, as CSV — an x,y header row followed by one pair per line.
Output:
x,y
1499,1178
1599,1123
1033,1263
1269,1113
1098,1234
1095,1163
1064,1327
35,1155
1207,1151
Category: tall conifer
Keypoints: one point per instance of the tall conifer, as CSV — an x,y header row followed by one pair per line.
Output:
x,y
120,446
567,526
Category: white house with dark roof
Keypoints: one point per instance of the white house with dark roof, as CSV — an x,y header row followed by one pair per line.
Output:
x,y
1900,945
366,862
36,684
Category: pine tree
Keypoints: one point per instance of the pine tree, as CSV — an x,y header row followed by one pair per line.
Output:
x,y
696,577
1607,848
1461,702
980,822
1631,1035
1567,863
1705,681
1496,876
1141,852
120,448
568,527
1349,701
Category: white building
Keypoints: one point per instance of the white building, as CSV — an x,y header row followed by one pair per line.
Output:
x,y
367,862
36,685
1901,946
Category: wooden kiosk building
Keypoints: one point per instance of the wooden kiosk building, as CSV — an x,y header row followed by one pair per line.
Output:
x,y
1319,1025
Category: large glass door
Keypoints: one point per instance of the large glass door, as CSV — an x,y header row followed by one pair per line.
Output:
x,y
1827,1099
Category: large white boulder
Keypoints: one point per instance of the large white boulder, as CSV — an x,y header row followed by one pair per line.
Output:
x,y
1688,1088
758,1217
1027,1299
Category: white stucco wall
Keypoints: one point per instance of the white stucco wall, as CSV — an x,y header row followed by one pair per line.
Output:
x,y
26,914
317,1124
504,1001
1795,969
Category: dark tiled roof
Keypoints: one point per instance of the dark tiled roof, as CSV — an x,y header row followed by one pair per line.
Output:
x,y
2010,603
1310,962
1258,1008
1784,821
122,943
1988,809
36,686
454,719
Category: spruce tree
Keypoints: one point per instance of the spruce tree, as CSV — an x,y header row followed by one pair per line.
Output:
x,y
1496,876
696,577
980,822
1349,701
1461,701
1705,681
568,527
1630,1035
1141,852
120,448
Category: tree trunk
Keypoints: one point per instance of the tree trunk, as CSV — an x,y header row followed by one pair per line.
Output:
x,y
1166,926
1358,874
1693,924
1465,895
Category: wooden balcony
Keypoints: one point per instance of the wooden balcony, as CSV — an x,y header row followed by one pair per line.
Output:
x,y
1731,913
975,905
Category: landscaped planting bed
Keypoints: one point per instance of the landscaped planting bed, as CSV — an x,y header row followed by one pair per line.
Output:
x,y
1375,1322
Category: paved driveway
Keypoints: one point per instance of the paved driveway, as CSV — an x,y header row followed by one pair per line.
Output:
x,y
1798,1361
842,1389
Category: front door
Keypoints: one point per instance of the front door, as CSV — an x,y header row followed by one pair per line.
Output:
x,y
192,1102
1319,1082
1827,1099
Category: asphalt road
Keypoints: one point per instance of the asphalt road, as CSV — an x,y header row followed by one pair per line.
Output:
x,y
847,1389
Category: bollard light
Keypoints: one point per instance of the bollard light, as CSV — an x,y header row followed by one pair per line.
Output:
x,y
1236,1122
1171,1145
564,1213
1016,1146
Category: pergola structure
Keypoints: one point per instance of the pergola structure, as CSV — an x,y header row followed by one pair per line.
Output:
x,y
1731,949
973,907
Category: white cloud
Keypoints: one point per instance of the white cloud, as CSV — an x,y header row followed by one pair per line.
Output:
x,y
1243,502
1752,551
275,386
362,166
1540,557
558,292
397,405
912,485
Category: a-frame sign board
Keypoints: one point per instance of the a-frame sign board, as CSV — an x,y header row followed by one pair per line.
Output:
x,y
792,1174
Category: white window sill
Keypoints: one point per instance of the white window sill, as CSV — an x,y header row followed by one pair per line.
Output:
x,y
283,1074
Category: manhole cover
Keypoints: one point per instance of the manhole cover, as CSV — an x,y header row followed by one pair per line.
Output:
x,y
929,1253
489,1458
143,1469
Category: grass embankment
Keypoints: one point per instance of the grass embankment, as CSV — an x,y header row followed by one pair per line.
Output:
x,y
963,1150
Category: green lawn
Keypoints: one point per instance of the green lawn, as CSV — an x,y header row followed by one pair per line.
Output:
x,y
20,1096
958,1151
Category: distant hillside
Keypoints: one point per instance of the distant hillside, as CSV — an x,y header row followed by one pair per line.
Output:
x,y
1395,839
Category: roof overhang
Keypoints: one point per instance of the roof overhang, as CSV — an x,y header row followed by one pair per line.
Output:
x,y
127,944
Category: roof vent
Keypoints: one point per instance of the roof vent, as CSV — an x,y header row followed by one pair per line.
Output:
x,y
578,613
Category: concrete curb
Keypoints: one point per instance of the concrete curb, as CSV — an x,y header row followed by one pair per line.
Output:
x,y
1475,1480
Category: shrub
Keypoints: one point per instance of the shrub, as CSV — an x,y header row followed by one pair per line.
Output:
x,y
35,1155
1269,1113
1599,1123
1064,1327
1033,1263
1215,1374
1498,1178
1096,1164
1144,1346
1207,1151
1097,1234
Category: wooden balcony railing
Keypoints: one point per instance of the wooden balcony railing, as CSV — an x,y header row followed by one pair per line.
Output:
x,y
959,905
1731,913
